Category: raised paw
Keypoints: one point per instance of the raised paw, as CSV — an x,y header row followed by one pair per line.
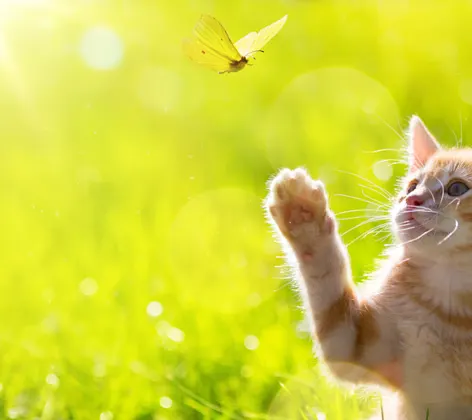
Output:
x,y
298,205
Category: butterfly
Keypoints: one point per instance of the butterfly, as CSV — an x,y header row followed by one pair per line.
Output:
x,y
212,47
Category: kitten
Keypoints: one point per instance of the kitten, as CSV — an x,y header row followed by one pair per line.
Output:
x,y
415,332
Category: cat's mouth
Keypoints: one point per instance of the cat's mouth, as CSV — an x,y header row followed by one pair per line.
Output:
x,y
412,227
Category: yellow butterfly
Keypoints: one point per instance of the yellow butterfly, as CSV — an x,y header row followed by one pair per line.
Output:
x,y
212,47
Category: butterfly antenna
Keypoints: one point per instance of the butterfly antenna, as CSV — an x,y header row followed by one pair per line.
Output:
x,y
251,54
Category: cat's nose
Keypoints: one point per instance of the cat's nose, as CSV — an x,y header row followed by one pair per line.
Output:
x,y
414,200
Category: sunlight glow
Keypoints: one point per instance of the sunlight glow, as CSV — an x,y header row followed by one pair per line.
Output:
x,y
11,71
8,6
23,2
3,47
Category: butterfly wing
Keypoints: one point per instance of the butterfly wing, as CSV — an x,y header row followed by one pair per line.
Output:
x,y
213,48
244,45
266,34
205,56
211,33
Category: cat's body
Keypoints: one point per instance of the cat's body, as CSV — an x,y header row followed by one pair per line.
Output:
x,y
415,331
434,351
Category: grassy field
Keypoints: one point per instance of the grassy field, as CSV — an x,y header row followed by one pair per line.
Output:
x,y
139,279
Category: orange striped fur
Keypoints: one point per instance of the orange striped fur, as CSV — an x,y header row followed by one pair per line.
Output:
x,y
415,332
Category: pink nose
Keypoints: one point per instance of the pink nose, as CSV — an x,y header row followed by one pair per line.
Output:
x,y
414,200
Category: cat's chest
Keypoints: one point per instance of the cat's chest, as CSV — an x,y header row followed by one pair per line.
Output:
x,y
437,365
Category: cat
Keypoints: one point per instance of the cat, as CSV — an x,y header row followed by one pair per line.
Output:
x,y
414,333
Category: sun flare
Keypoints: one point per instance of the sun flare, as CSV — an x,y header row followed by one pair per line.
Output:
x,y
23,2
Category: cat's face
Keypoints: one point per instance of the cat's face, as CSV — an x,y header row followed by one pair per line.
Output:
x,y
433,213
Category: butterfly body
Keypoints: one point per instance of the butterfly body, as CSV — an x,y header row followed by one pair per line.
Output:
x,y
236,65
212,47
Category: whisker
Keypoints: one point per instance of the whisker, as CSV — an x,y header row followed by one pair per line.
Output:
x,y
453,133
355,227
442,190
385,237
375,230
450,234
393,161
374,185
407,223
455,199
381,150
360,199
417,238
400,136
422,210
373,218
384,193
375,200
406,228
362,210
429,209
384,227
432,195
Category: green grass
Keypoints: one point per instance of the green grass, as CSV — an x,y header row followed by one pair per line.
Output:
x,y
143,183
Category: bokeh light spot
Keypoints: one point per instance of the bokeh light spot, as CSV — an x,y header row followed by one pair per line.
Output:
x,y
106,415
254,299
50,324
101,48
88,286
52,380
154,309
99,370
165,402
382,170
251,342
16,412
175,334
162,328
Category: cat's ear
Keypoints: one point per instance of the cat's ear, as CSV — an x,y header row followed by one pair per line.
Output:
x,y
422,144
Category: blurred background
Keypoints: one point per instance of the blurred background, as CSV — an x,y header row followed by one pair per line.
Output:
x,y
139,279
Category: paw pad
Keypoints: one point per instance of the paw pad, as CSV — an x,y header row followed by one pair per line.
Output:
x,y
296,201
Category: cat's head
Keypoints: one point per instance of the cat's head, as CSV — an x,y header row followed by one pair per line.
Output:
x,y
433,212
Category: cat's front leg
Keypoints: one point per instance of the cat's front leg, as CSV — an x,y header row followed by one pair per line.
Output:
x,y
299,207
351,332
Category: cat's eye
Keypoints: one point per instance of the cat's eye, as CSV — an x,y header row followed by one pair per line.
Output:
x,y
457,188
411,187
